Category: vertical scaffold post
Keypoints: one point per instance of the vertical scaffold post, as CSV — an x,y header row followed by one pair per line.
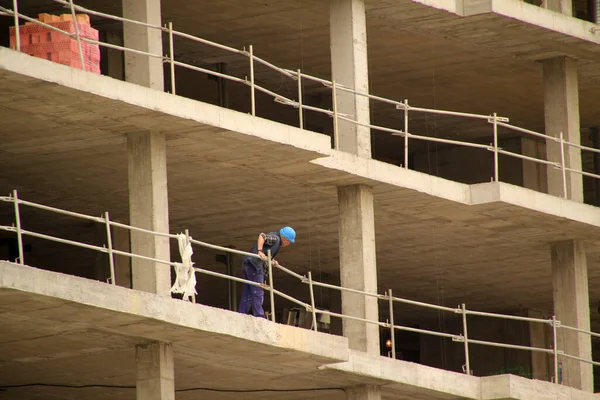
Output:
x,y
555,349
111,256
172,58
496,147
271,293
252,91
406,133
300,109
312,301
336,133
466,337
562,164
17,27
77,35
392,329
15,197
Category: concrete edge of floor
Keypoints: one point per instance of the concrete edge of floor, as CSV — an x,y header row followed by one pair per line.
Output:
x,y
116,299
518,388
140,96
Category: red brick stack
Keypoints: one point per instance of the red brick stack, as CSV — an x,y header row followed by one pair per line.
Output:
x,y
42,42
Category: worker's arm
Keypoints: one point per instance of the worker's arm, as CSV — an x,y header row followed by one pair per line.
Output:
x,y
259,245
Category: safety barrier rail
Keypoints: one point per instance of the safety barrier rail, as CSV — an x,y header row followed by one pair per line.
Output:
x,y
387,297
493,119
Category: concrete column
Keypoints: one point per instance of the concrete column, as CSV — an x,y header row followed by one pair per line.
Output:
x,y
357,266
562,6
155,372
572,307
561,96
141,69
535,176
115,58
148,209
363,392
121,242
348,32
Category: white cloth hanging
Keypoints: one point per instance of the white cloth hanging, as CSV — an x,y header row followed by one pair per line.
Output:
x,y
185,281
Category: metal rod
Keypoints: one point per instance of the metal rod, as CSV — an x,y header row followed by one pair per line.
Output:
x,y
292,273
510,346
527,131
300,110
271,294
312,300
77,36
583,173
392,333
273,66
209,72
343,289
555,349
233,278
466,336
221,248
17,27
111,257
134,228
511,317
495,147
450,141
172,57
579,330
427,332
394,132
252,94
59,211
18,224
336,133
522,157
580,359
563,166
455,113
406,134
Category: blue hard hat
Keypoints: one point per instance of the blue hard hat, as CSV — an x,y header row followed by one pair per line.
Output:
x,y
289,233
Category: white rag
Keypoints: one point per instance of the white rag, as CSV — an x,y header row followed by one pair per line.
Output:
x,y
185,281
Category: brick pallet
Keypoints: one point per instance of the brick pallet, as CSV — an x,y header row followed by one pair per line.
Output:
x,y
40,41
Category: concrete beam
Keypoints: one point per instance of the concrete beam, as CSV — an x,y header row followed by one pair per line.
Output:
x,y
561,109
149,209
358,269
140,69
572,308
349,67
155,371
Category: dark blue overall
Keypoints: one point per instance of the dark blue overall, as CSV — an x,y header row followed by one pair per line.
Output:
x,y
254,270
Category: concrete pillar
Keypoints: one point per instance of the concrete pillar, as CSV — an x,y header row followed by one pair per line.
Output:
x,y
141,69
357,266
363,392
562,6
572,307
348,33
121,242
148,209
535,176
155,372
115,58
561,96
540,335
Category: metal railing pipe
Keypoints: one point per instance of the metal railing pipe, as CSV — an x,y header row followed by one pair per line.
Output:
x,y
77,35
300,110
221,248
580,359
579,330
58,210
394,132
271,294
427,305
18,226
510,346
111,256
252,93
456,338
343,289
555,349
563,166
209,72
450,141
172,58
406,134
496,172
392,332
454,113
282,71
511,317
522,157
336,130
312,301
135,228
527,131
466,339
17,27
583,173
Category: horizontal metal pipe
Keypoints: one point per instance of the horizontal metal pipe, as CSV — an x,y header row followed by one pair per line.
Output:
x,y
53,209
427,305
571,328
583,173
396,132
453,113
580,359
209,72
582,147
287,271
293,300
370,96
527,131
427,332
521,156
231,278
221,248
133,228
513,317
132,255
511,346
327,285
317,109
272,94
309,77
64,241
208,42
449,141
342,316
274,67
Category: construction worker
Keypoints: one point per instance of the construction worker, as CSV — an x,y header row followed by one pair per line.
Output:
x,y
254,268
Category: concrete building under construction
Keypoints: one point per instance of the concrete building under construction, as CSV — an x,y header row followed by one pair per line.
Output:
x,y
439,160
